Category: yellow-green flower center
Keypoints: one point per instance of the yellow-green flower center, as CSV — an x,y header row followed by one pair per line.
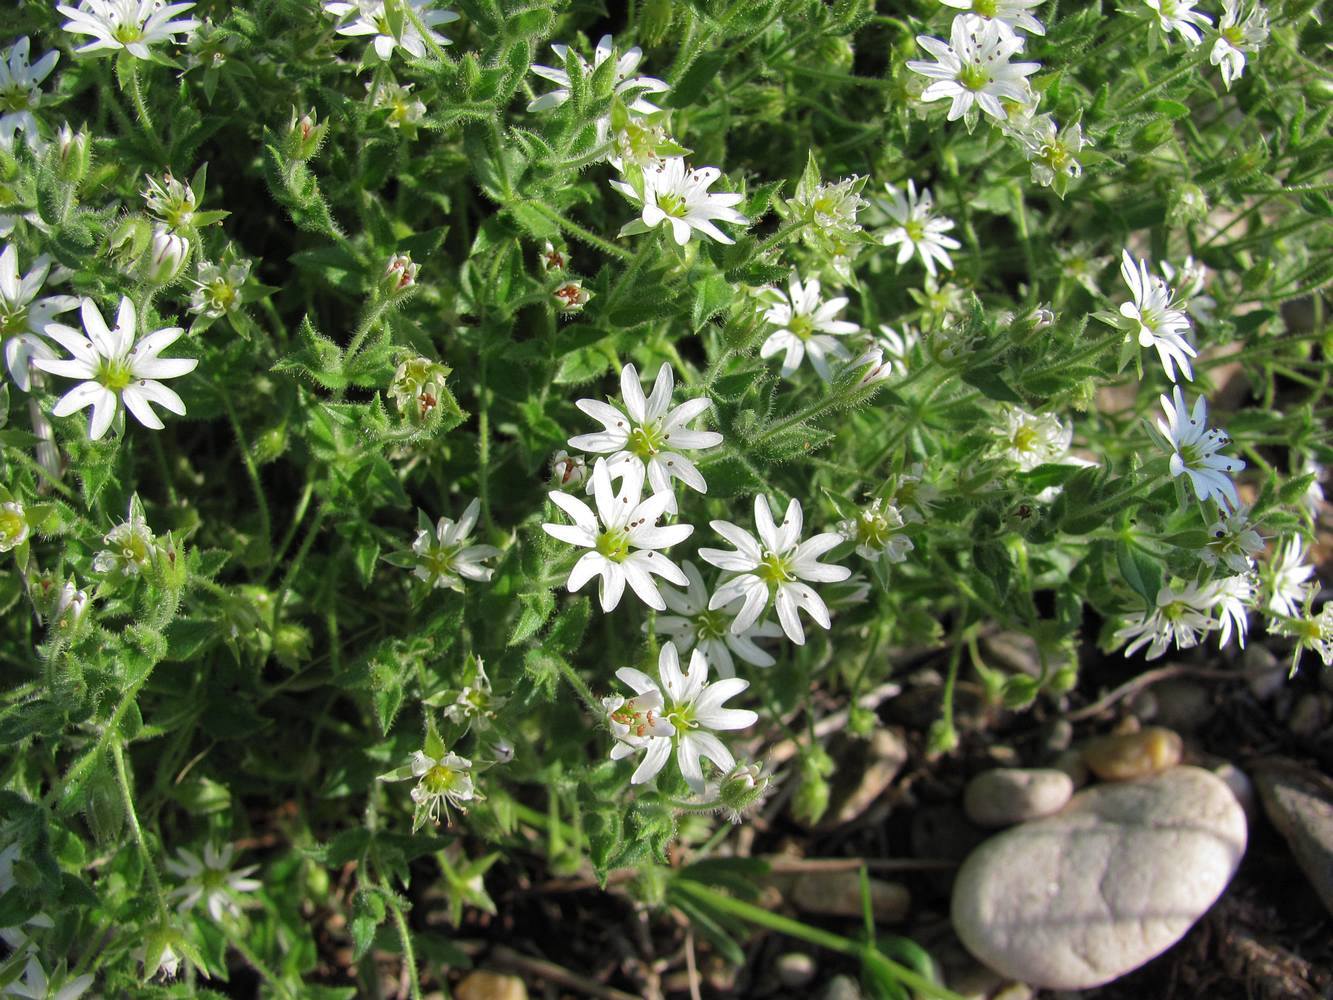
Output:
x,y
1024,439
127,33
114,374
671,204
439,561
646,440
13,525
16,99
441,780
614,544
973,77
916,230
774,569
710,625
13,322
802,326
985,8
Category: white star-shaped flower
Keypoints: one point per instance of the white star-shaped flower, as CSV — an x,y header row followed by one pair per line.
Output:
x,y
1286,578
679,713
1195,450
649,434
678,196
1181,17
358,18
1180,616
1237,36
774,567
691,623
211,879
444,558
1154,320
20,91
116,368
973,68
806,326
24,317
624,538
627,85
132,25
916,229
1014,13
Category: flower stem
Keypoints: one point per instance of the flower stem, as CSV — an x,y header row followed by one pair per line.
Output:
x,y
405,936
131,76
261,502
237,941
127,798
574,229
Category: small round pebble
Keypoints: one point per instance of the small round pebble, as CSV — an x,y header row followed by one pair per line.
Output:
x,y
1126,756
795,969
1004,796
1115,878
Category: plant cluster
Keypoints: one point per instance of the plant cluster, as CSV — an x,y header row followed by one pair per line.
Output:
x,y
1010,312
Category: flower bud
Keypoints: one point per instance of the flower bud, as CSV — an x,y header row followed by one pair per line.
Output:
x,y
568,471
169,201
552,260
68,607
417,385
73,154
167,257
1188,204
400,275
305,135
743,790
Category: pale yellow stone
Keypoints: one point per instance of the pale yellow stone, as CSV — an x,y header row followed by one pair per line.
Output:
x,y
1127,756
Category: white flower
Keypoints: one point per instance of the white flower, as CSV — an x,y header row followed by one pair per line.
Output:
x,y
627,86
1232,598
691,623
1233,541
1180,617
69,607
898,347
14,526
16,937
832,207
116,368
774,567
217,291
648,434
475,701
166,256
570,296
1286,579
877,531
1181,17
973,69
1195,450
169,201
132,25
130,546
1236,37
1052,151
36,986
1313,498
1187,288
24,317
1030,440
357,18
806,326
690,708
1013,13
211,879
1310,632
404,108
442,782
680,197
624,545
917,229
446,559
1154,319
568,470
20,92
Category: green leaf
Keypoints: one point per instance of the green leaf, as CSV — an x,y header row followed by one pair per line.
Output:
x,y
991,385
1141,571
537,607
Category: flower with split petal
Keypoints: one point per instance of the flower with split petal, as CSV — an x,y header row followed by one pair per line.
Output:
x,y
444,558
680,712
806,326
692,623
773,568
24,317
209,878
116,368
361,18
1016,14
623,536
1181,17
36,986
916,229
1286,578
972,70
1195,449
1180,616
1232,598
1237,36
131,25
1154,319
649,434
678,196
628,87
20,92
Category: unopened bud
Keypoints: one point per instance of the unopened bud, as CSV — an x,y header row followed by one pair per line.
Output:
x,y
568,471
571,296
167,256
73,154
552,259
742,790
13,525
400,275
305,135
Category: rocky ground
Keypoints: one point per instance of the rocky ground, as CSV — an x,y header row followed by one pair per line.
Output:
x,y
1194,860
